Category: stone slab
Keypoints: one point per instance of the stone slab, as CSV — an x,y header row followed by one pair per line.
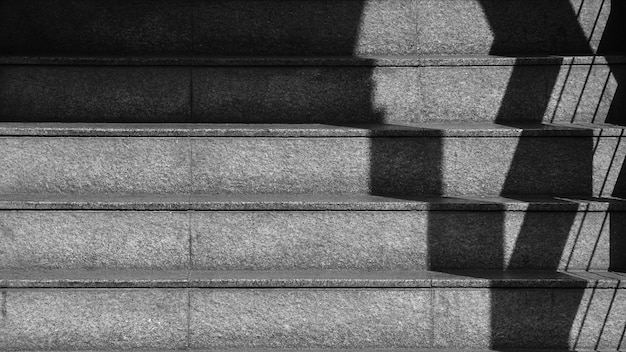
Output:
x,y
303,27
94,240
514,27
94,94
304,94
505,318
91,319
509,90
95,28
600,320
284,318
308,240
522,240
404,166
94,165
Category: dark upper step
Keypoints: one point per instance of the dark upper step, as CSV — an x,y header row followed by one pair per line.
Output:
x,y
335,90
310,27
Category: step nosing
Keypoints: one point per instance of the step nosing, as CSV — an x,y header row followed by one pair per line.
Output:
x,y
304,202
233,130
304,279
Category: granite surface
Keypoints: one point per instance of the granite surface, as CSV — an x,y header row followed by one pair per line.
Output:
x,y
304,94
305,27
505,28
278,27
379,166
95,27
531,240
57,319
308,240
94,94
98,165
286,318
88,239
490,89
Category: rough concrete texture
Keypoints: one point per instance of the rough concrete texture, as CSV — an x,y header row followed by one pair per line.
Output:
x,y
308,240
98,165
86,319
511,27
400,166
280,27
520,240
286,318
91,240
525,318
92,27
94,94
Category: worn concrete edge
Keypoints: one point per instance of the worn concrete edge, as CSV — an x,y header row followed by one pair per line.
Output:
x,y
10,279
348,61
434,130
303,202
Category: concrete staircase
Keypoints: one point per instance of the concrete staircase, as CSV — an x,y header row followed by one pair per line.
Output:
x,y
312,174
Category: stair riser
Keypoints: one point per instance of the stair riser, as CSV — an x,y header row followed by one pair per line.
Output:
x,y
290,240
383,166
335,95
305,27
287,318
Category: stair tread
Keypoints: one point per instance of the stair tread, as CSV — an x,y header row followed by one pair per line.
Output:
x,y
449,129
365,60
307,278
295,202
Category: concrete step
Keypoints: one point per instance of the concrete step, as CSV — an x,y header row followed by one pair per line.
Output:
x,y
310,27
419,159
313,90
317,232
557,310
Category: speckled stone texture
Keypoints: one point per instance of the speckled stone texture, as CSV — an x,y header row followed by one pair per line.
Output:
x,y
304,27
375,240
484,90
94,94
528,318
94,165
523,240
304,94
602,322
91,240
92,27
380,166
310,318
54,319
509,27
470,166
